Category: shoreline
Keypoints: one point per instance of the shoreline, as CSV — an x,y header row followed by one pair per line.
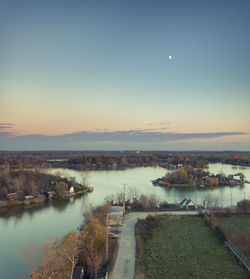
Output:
x,y
40,201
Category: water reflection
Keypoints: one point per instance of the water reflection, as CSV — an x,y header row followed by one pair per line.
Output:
x,y
17,212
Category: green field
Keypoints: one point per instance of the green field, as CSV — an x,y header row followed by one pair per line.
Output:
x,y
184,248
234,227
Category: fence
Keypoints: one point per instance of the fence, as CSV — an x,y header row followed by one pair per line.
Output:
x,y
244,260
219,231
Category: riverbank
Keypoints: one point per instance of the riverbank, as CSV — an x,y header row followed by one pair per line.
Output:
x,y
187,176
34,186
37,201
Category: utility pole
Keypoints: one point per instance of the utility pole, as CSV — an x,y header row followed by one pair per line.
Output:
x,y
107,237
231,200
124,188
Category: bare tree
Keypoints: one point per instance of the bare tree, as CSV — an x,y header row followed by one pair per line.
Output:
x,y
31,254
211,201
133,193
57,258
153,201
84,177
144,201
93,241
68,250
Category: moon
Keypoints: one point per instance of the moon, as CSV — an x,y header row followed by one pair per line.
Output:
x,y
170,57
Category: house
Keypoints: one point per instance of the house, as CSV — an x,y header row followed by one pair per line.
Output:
x,y
72,190
187,204
12,196
78,272
29,197
237,178
116,216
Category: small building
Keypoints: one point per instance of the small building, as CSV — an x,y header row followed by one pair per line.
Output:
x,y
12,196
29,197
72,190
237,178
116,216
187,204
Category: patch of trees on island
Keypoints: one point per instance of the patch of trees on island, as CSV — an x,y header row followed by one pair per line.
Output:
x,y
19,187
191,177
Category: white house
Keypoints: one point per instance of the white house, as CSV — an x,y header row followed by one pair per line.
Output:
x,y
237,177
187,204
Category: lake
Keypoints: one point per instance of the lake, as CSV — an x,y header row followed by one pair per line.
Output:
x,y
55,219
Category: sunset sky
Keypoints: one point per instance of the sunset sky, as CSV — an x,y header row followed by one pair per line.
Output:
x,y
84,75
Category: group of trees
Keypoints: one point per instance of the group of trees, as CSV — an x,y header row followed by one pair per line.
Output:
x,y
34,182
238,160
57,259
197,176
134,199
183,175
244,206
24,182
20,160
93,241
118,160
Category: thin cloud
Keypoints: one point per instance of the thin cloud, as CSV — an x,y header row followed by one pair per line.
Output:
x,y
117,139
6,129
162,123
6,125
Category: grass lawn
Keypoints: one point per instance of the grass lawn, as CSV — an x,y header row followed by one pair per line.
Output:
x,y
184,247
234,227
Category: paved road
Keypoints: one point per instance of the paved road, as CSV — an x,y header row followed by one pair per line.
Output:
x,y
125,263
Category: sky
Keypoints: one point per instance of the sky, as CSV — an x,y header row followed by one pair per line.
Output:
x,y
86,75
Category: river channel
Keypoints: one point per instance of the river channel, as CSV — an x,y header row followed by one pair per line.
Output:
x,y
55,219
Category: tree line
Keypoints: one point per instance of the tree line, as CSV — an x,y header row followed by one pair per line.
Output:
x,y
119,160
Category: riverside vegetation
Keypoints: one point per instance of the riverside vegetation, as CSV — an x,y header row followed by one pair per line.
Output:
x,y
25,187
84,248
93,160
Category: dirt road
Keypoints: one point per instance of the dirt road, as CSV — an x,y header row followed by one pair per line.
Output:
x,y
125,263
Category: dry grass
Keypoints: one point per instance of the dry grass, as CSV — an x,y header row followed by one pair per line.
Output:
x,y
185,248
237,228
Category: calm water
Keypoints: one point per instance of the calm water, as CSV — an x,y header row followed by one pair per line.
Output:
x,y
56,219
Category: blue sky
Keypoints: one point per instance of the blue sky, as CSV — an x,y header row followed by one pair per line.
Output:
x,y
89,66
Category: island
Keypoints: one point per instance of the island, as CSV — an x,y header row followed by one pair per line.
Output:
x,y
187,176
35,186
